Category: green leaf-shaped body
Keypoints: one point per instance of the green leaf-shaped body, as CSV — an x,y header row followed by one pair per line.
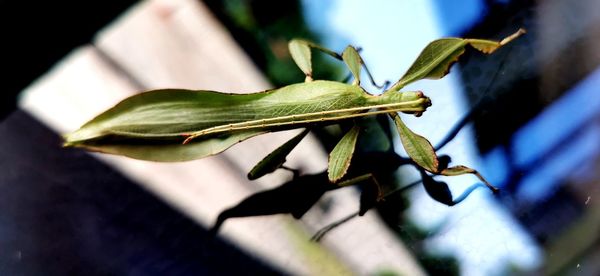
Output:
x,y
151,125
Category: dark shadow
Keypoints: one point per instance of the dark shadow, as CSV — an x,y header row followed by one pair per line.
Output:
x,y
62,212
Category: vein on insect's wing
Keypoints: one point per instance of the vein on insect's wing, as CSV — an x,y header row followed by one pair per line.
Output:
x,y
292,110
277,110
335,102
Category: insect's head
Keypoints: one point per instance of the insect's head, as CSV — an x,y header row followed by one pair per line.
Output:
x,y
412,102
422,102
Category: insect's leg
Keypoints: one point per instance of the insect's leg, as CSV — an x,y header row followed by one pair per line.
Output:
x,y
385,84
362,178
352,58
355,180
275,159
437,190
370,194
358,62
323,231
440,192
301,54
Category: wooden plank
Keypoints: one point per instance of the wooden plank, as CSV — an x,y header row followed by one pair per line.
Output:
x,y
84,85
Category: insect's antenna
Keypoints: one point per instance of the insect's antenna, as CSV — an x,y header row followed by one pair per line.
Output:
x,y
347,78
385,84
475,109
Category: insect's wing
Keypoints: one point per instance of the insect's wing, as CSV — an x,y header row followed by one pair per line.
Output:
x,y
168,151
152,125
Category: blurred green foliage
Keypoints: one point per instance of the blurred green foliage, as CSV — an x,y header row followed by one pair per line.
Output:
x,y
264,29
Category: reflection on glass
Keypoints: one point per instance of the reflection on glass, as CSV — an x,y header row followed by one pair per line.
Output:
x,y
535,128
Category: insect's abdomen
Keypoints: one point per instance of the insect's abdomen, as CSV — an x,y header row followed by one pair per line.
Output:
x,y
311,97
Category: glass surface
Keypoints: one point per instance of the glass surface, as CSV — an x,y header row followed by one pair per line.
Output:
x,y
534,131
531,111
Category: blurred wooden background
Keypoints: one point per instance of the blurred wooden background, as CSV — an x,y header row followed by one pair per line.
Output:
x,y
159,44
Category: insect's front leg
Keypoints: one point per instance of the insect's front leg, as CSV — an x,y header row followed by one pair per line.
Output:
x,y
440,191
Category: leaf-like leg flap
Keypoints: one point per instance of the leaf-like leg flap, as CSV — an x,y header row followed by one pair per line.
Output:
x,y
435,60
275,159
418,148
440,192
341,155
423,154
301,54
354,62
458,170
490,46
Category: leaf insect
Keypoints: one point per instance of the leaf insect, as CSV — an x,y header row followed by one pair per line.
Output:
x,y
170,125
